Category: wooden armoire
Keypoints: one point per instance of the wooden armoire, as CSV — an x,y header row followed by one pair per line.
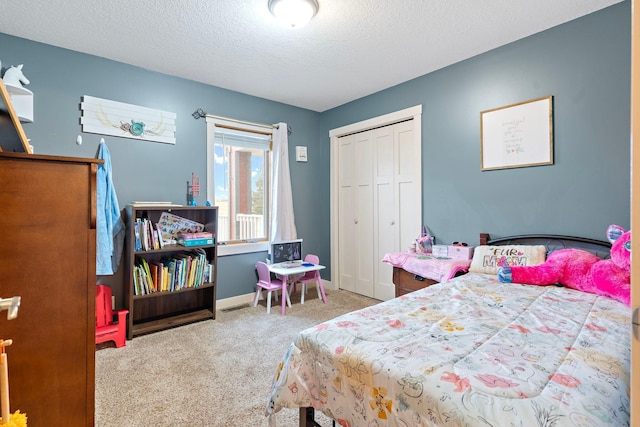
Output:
x,y
47,257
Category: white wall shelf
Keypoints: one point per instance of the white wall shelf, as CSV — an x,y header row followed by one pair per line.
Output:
x,y
22,100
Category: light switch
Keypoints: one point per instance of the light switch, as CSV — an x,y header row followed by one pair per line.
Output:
x,y
301,153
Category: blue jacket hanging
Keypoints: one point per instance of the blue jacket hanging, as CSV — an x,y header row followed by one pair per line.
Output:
x,y
110,227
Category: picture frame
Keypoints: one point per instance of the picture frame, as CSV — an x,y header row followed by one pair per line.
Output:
x,y
517,135
12,136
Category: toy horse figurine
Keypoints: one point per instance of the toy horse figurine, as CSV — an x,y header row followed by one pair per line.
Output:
x,y
17,419
14,77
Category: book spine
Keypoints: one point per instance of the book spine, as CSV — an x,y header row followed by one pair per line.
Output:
x,y
143,234
165,278
172,275
138,245
160,239
149,280
136,280
202,235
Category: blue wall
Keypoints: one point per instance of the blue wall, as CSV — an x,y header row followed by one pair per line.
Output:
x,y
584,64
154,171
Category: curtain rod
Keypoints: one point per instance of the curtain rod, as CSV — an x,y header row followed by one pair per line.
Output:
x,y
199,113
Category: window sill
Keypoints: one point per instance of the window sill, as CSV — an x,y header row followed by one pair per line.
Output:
x,y
242,248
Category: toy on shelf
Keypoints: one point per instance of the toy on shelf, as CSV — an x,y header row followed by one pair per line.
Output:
x,y
424,243
14,77
11,305
193,190
8,419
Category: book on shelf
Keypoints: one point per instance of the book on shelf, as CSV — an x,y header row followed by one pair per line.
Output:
x,y
148,234
140,280
208,273
137,243
201,235
153,269
160,239
195,242
150,286
171,275
165,278
157,272
144,235
178,271
171,226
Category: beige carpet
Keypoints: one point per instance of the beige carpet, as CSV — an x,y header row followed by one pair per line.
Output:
x,y
211,373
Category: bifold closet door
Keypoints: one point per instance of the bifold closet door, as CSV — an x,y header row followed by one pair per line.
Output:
x,y
356,250
397,199
379,205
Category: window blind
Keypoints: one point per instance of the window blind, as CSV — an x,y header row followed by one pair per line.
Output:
x,y
242,139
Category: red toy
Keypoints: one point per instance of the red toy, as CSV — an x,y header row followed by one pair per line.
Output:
x,y
582,270
106,328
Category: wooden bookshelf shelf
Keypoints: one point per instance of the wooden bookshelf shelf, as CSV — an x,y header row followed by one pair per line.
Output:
x,y
169,248
155,311
168,293
172,321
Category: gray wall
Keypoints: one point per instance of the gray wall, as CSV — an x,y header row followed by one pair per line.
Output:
x,y
584,64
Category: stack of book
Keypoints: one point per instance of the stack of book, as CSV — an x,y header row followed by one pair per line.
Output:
x,y
147,236
170,225
183,270
151,236
195,239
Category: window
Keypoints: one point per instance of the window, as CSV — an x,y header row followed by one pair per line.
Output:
x,y
238,164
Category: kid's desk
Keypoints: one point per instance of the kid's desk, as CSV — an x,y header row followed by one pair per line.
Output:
x,y
289,269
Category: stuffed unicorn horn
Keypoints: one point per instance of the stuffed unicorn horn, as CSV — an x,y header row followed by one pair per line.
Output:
x,y
582,270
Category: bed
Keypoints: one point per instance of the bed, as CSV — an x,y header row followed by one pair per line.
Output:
x,y
471,351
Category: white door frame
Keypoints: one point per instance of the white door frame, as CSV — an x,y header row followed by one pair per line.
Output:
x,y
414,113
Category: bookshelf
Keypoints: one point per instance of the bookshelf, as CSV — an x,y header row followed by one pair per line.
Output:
x,y
171,299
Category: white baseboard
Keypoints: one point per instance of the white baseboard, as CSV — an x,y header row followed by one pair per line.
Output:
x,y
225,303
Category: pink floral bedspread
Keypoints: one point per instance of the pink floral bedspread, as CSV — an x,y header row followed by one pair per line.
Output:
x,y
468,352
430,267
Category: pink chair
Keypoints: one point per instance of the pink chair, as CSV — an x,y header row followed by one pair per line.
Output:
x,y
312,277
268,284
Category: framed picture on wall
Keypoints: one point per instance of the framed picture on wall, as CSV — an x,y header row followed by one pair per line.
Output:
x,y
517,135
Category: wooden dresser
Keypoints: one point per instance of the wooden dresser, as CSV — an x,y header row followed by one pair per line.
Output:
x,y
406,282
47,253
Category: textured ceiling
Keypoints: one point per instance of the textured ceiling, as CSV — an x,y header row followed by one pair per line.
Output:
x,y
351,48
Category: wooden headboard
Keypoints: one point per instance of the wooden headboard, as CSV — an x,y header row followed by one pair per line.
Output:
x,y
552,242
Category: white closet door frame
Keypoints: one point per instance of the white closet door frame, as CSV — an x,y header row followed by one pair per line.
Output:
x,y
414,113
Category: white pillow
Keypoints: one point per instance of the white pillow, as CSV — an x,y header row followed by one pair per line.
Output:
x,y
487,259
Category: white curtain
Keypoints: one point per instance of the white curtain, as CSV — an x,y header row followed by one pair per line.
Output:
x,y
283,224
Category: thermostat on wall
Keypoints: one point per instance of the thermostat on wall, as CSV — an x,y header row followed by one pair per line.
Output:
x,y
301,153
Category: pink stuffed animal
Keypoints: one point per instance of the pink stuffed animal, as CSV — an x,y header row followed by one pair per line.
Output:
x,y
582,270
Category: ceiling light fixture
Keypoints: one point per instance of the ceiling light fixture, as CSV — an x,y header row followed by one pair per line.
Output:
x,y
294,13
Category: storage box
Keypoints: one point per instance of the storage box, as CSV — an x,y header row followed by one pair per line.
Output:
x,y
460,252
439,250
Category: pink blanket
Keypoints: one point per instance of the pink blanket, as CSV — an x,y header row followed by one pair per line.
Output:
x,y
428,266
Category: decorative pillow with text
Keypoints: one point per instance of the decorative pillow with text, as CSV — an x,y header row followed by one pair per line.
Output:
x,y
487,259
